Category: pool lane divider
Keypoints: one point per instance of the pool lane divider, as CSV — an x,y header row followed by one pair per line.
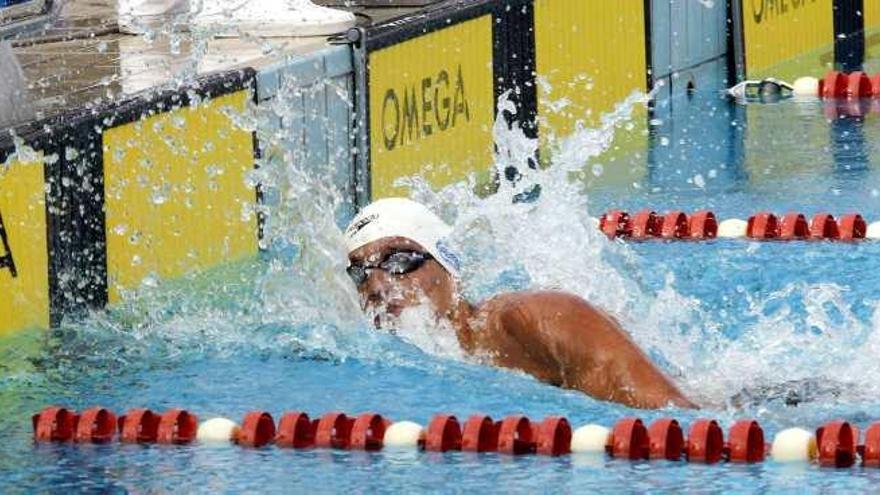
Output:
x,y
834,444
765,226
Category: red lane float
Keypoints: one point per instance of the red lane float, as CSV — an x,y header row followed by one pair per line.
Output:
x,y
823,226
553,436
746,442
444,434
705,443
836,442
704,225
833,85
645,225
763,225
95,425
871,448
852,227
858,85
674,225
139,426
515,436
850,86
875,85
334,431
296,430
794,226
54,424
368,432
666,440
480,434
629,439
616,223
177,426
257,429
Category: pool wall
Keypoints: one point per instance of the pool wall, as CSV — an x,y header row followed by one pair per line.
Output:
x,y
158,185
99,199
306,109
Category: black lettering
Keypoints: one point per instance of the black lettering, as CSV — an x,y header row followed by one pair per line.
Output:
x,y
6,261
763,10
410,116
459,102
756,13
390,97
426,105
445,102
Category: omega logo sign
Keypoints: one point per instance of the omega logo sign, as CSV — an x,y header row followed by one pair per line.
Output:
x,y
763,10
435,104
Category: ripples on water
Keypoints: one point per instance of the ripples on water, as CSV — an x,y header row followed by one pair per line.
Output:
x,y
745,328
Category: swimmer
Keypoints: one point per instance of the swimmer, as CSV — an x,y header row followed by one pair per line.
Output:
x,y
765,90
397,259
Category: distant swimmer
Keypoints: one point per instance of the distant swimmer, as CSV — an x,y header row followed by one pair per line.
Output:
x,y
398,260
765,90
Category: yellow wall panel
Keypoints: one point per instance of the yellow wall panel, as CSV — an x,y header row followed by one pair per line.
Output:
x,y
872,14
872,29
779,31
176,194
432,107
590,57
24,299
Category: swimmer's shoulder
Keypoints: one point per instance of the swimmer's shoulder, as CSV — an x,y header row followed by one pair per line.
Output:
x,y
540,308
535,303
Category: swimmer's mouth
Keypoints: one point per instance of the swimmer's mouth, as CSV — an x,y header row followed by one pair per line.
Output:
x,y
394,309
391,309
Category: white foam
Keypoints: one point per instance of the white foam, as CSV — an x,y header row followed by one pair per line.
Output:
x,y
271,18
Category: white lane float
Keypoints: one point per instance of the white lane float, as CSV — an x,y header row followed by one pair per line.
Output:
x,y
218,430
732,228
590,439
794,445
404,435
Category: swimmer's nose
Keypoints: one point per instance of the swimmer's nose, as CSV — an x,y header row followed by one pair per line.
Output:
x,y
376,286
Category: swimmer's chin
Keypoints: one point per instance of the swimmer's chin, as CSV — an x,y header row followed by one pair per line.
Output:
x,y
385,322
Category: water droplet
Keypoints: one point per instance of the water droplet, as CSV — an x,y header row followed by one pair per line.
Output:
x,y
159,196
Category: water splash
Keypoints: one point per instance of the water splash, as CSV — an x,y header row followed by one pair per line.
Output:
x,y
297,300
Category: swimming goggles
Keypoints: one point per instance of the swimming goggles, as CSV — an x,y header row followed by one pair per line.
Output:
x,y
397,263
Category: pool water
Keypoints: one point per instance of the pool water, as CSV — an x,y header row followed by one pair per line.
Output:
x,y
741,326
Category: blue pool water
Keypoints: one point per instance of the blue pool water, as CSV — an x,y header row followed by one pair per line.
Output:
x,y
729,320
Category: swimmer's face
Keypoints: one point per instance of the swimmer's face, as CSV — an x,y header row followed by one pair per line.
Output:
x,y
387,294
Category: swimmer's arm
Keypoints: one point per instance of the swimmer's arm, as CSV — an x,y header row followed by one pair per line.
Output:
x,y
586,350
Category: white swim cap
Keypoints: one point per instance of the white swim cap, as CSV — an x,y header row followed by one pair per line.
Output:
x,y
401,217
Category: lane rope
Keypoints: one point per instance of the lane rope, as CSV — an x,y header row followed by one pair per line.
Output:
x,y
834,444
704,225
